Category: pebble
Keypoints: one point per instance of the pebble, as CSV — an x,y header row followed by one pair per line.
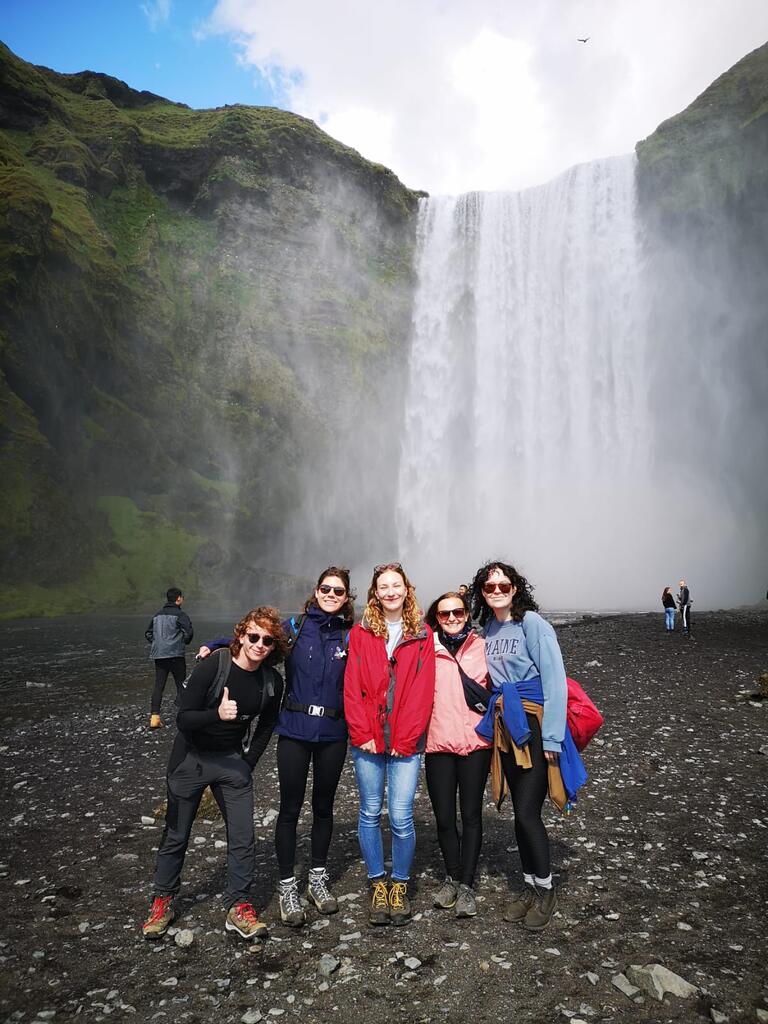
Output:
x,y
184,937
220,844
349,937
328,964
553,951
46,1014
623,984
683,927
718,1017
323,986
592,978
146,820
251,1017
656,980
412,963
170,983
126,857
439,980
762,1015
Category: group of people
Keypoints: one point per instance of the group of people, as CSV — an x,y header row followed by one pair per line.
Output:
x,y
401,689
683,602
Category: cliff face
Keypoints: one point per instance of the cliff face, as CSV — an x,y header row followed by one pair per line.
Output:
x,y
198,309
703,194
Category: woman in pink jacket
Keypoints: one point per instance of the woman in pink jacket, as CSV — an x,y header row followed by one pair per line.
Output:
x,y
457,759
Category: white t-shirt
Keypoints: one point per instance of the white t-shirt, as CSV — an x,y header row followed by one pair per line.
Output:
x,y
394,636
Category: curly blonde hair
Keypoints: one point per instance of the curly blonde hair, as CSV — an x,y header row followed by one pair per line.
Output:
x,y
267,618
374,613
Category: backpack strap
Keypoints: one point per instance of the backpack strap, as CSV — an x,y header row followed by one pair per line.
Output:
x,y
294,624
216,688
267,694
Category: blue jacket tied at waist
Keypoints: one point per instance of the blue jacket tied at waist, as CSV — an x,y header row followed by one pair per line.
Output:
x,y
572,768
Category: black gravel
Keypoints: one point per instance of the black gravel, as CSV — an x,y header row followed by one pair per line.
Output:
x,y
663,861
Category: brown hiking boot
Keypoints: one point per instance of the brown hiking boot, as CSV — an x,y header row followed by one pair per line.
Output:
x,y
160,916
399,904
542,910
243,920
520,905
379,912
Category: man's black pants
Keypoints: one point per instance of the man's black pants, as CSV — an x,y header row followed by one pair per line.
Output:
x,y
163,666
229,777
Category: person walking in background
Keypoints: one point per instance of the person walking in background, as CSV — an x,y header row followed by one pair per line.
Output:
x,y
457,760
684,603
169,632
312,731
668,600
389,687
526,720
227,711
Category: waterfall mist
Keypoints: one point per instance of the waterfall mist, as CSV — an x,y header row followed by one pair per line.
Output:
x,y
563,374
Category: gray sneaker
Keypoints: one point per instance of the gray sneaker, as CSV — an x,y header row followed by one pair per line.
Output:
x,y
446,895
319,893
291,910
466,905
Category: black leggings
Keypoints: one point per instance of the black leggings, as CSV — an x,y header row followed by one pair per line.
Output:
x,y
528,787
163,666
447,773
293,759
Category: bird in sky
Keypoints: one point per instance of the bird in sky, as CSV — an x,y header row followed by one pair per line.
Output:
x,y
585,40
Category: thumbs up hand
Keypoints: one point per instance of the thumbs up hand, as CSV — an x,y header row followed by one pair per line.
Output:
x,y
227,708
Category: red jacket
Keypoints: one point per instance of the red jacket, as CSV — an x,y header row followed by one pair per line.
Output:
x,y
389,702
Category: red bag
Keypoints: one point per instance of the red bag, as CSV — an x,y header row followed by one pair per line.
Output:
x,y
581,714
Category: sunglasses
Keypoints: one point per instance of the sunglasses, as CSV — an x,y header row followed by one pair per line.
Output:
x,y
491,588
255,638
389,565
326,588
452,613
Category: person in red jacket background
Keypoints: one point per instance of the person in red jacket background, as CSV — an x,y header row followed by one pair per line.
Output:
x,y
389,687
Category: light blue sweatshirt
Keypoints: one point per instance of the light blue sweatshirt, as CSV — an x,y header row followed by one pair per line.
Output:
x,y
516,651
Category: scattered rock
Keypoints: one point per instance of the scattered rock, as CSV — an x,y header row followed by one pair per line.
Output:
x,y
623,984
184,937
656,980
252,1016
328,964
717,1016
126,858
412,963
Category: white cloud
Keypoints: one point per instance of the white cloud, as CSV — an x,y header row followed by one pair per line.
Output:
x,y
455,96
157,12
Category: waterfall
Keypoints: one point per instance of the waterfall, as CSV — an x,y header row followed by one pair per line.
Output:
x,y
527,428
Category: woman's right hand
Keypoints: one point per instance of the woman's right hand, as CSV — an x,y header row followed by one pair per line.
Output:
x,y
227,708
369,747
203,652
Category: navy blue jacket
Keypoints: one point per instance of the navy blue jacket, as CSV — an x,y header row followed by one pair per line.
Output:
x,y
314,674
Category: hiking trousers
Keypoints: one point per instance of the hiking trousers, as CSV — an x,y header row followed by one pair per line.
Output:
x,y
177,667
229,777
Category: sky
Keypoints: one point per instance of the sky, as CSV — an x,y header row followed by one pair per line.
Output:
x,y
453,95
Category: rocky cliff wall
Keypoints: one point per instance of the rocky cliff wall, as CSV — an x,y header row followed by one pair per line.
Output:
x,y
199,311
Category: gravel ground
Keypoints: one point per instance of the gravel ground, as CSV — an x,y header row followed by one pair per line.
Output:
x,y
663,861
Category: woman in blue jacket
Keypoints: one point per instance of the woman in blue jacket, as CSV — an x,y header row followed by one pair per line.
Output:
x,y
312,730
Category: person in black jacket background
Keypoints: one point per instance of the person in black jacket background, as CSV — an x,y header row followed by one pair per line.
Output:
x,y
227,712
169,632
684,603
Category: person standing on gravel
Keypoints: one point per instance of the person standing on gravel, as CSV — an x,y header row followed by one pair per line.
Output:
x,y
227,712
457,760
389,687
534,753
668,601
169,632
684,604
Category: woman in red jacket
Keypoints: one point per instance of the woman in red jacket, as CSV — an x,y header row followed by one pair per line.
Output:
x,y
389,686
457,759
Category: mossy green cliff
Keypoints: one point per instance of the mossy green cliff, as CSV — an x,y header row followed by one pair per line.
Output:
x,y
195,306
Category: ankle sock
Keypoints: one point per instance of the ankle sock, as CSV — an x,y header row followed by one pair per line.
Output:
x,y
316,872
544,883
529,879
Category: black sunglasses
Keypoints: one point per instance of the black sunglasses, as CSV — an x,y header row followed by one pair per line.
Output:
x,y
254,638
456,613
326,588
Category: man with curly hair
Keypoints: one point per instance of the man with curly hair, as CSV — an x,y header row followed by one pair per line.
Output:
x,y
227,711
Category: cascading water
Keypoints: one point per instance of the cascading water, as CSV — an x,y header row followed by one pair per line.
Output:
x,y
528,432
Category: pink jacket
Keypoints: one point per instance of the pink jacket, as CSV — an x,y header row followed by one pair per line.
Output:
x,y
452,725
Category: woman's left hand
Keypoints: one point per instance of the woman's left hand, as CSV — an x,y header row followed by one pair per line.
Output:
x,y
552,756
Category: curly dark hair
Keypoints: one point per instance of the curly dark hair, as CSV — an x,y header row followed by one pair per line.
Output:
x,y
431,617
267,618
347,610
521,603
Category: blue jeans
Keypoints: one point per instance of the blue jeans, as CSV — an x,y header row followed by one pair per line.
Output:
x,y
670,617
401,775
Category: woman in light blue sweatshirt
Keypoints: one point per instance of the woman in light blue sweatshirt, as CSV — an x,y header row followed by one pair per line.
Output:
x,y
525,663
